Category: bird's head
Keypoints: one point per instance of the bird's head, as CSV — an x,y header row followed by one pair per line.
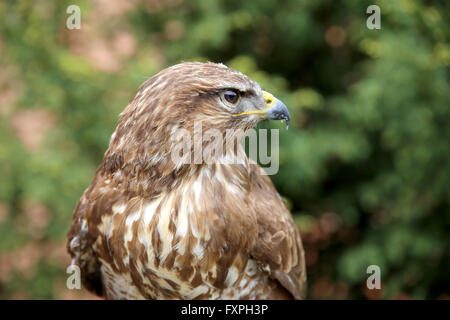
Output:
x,y
181,96
221,97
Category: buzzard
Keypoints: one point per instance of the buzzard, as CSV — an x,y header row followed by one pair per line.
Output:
x,y
149,227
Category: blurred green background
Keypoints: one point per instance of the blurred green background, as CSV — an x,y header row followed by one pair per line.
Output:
x,y
365,166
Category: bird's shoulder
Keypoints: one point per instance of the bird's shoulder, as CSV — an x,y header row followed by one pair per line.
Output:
x,y
95,204
279,250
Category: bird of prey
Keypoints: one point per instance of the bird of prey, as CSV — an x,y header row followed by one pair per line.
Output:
x,y
149,227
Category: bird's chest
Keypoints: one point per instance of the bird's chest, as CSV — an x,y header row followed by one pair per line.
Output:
x,y
177,247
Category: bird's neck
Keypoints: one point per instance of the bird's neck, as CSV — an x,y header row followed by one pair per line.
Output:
x,y
151,176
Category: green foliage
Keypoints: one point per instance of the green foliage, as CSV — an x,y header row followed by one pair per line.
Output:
x,y
365,165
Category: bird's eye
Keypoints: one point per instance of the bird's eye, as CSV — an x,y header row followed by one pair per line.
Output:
x,y
231,96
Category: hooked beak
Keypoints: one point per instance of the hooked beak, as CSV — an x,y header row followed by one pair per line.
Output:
x,y
275,109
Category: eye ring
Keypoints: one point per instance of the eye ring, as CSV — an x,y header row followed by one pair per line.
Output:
x,y
231,96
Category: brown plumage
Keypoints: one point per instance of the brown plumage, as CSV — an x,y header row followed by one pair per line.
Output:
x,y
151,228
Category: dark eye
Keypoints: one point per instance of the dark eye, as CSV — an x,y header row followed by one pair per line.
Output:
x,y
231,96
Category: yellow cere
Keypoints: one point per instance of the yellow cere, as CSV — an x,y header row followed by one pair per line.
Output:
x,y
268,98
